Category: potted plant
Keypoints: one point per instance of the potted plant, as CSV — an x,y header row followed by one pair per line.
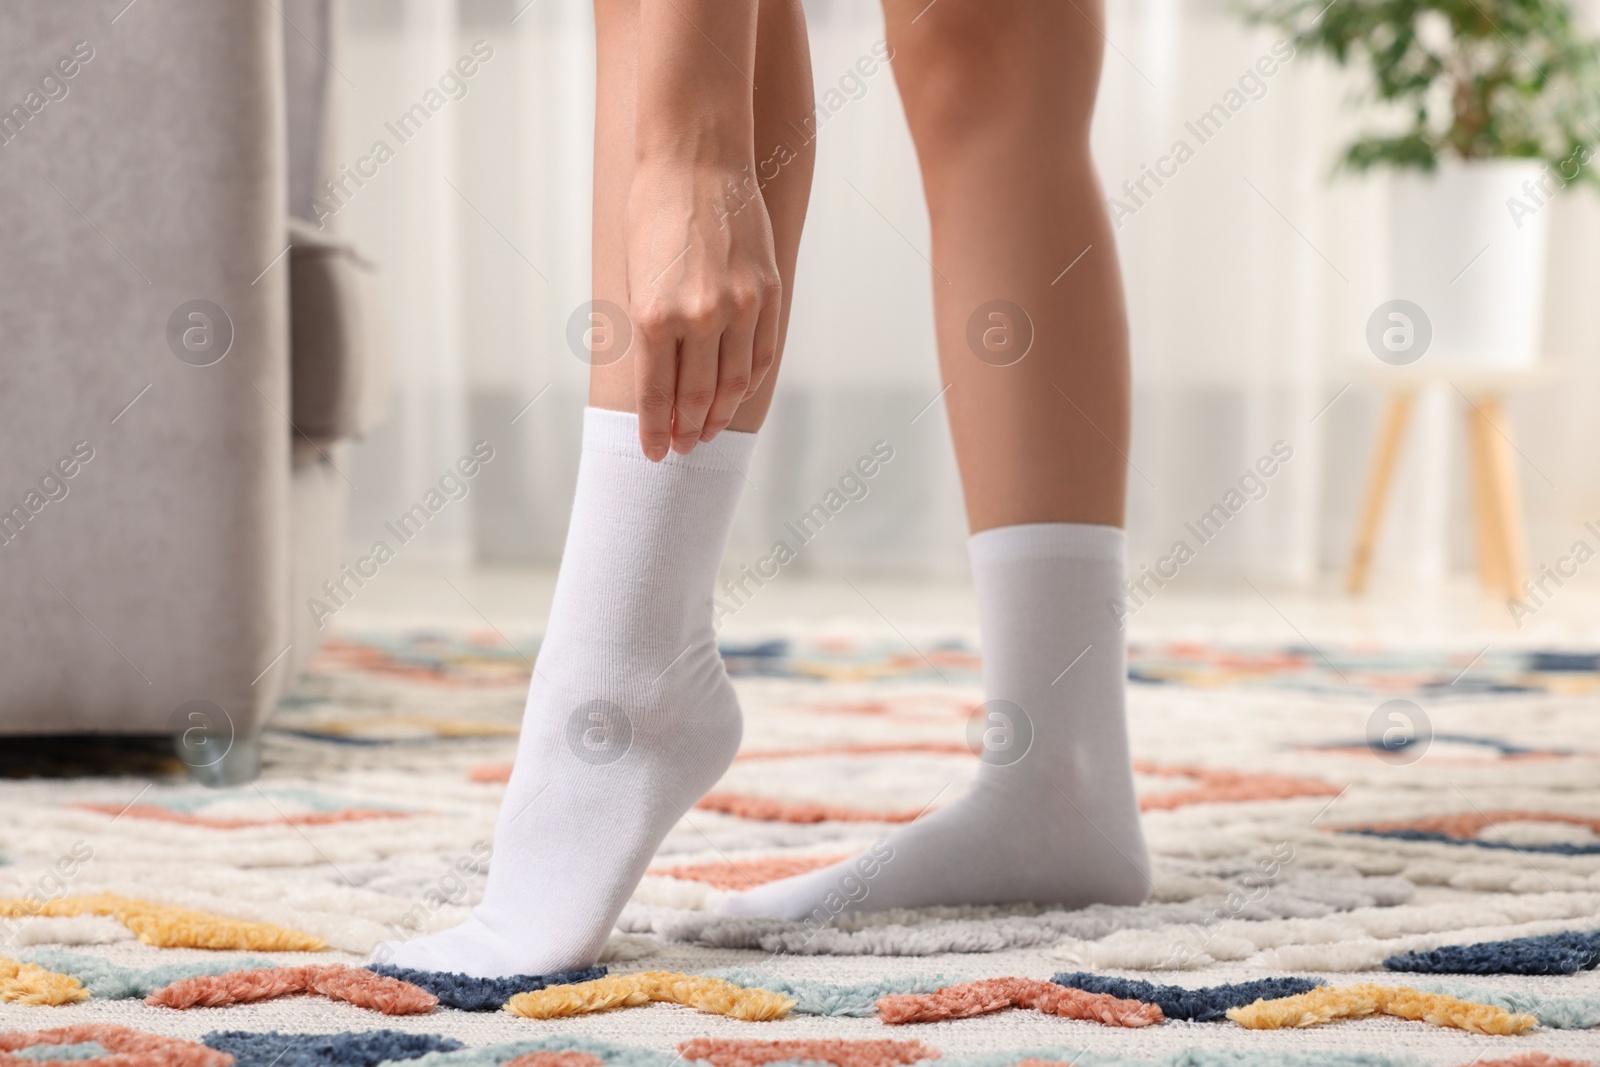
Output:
x,y
1496,108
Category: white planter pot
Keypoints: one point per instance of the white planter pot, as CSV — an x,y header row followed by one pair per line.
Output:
x,y
1458,252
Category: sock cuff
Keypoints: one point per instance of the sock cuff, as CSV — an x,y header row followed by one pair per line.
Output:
x,y
1048,540
616,433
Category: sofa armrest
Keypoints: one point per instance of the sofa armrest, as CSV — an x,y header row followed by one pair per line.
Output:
x,y
156,178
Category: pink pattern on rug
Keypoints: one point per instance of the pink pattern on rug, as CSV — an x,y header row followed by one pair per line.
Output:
x,y
747,873
729,1052
996,994
1216,786
156,813
1532,1059
767,809
1467,825
455,668
128,1048
501,772
910,709
1227,787
570,1058
352,985
942,748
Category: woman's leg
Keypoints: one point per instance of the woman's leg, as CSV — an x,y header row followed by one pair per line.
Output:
x,y
782,170
999,97
630,716
1033,346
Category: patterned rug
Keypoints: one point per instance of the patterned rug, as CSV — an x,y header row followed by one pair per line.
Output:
x,y
1363,856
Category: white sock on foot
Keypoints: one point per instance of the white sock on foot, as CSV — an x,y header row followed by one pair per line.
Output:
x,y
1052,816
630,715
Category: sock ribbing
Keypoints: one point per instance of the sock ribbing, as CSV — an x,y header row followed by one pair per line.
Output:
x,y
616,433
1047,540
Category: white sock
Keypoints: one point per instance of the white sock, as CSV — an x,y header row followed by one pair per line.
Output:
x,y
630,715
1052,817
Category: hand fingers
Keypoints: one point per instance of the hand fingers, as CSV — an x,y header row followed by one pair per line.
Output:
x,y
697,383
764,347
655,385
733,371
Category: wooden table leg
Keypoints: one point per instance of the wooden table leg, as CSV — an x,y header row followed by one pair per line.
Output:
x,y
1384,459
1486,506
1507,494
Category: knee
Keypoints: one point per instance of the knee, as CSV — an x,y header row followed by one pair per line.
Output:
x,y
979,73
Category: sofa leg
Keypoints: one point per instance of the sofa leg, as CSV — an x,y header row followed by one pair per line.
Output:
x,y
240,765
205,739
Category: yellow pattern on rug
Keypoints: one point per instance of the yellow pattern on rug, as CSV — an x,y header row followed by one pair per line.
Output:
x,y
1356,1001
28,983
711,995
168,926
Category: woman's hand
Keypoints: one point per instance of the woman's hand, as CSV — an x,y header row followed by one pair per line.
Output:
x,y
703,285
704,295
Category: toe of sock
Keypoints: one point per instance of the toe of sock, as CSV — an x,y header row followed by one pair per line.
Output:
x,y
468,949
790,899
478,950
424,955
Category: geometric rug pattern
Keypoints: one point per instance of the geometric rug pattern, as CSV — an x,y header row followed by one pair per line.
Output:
x,y
1420,880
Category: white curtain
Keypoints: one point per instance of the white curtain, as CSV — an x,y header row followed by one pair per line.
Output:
x,y
1251,271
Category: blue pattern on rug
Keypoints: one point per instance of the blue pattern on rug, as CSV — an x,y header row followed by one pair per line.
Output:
x,y
1563,953
824,998
1203,1005
1555,848
612,1055
463,991
347,1049
1495,744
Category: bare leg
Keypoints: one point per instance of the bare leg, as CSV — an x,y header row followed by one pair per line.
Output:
x,y
999,96
1033,345
783,165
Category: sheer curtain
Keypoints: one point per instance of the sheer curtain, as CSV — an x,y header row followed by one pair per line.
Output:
x,y
1251,271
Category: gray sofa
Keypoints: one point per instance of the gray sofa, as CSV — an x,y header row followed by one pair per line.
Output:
x,y
175,379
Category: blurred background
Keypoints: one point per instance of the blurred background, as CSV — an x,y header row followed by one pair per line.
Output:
x,y
281,268
1251,277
